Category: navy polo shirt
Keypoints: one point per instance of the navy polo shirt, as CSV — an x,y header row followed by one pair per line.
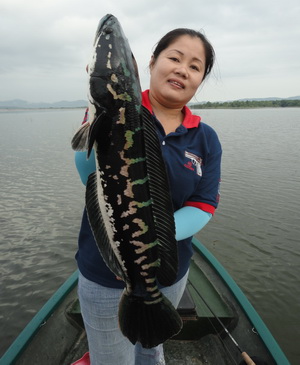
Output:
x,y
192,156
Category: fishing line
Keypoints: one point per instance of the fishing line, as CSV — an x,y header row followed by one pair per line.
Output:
x,y
217,318
245,356
225,346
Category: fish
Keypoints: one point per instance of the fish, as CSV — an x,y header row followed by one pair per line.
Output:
x,y
128,200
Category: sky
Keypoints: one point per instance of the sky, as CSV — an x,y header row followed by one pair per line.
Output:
x,y
46,44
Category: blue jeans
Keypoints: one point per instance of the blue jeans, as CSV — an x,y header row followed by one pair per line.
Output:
x,y
107,345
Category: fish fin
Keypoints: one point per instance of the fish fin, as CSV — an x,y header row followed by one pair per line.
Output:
x,y
149,324
80,138
98,227
100,129
162,207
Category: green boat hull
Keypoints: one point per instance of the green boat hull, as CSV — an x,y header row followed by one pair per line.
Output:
x,y
56,334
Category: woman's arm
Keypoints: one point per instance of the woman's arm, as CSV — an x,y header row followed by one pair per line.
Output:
x,y
85,166
189,221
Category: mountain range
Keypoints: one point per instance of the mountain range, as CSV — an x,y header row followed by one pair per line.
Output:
x,y
22,104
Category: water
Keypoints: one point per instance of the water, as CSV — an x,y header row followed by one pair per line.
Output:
x,y
254,234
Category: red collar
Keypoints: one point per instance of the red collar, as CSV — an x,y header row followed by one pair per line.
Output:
x,y
190,120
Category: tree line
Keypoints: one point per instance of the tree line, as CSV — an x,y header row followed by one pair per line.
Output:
x,y
245,104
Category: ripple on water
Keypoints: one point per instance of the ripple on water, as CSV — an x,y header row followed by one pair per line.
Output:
x,y
254,233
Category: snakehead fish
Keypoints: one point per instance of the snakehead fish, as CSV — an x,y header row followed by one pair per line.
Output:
x,y
127,199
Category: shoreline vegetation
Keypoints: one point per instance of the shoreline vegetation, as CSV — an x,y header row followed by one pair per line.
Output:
x,y
247,104
234,104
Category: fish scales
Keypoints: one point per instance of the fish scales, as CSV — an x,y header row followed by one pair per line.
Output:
x,y
127,198
123,171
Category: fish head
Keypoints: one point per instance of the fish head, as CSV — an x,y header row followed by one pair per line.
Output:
x,y
113,72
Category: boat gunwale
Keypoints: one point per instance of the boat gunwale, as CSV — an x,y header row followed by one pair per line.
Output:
x,y
21,342
19,345
257,322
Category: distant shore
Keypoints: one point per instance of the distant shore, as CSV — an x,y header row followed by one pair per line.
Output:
x,y
235,104
22,109
248,104
23,104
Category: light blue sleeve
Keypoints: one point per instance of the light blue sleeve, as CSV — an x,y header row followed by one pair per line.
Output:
x,y
189,221
85,166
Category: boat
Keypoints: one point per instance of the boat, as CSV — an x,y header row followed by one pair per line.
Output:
x,y
219,324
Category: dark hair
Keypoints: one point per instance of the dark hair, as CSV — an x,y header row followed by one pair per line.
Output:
x,y
172,36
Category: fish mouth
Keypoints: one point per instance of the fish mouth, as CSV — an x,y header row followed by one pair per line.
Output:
x,y
107,20
176,83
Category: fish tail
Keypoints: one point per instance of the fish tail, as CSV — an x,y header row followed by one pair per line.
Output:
x,y
80,138
150,323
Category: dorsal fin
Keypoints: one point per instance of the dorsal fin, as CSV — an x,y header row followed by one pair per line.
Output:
x,y
162,203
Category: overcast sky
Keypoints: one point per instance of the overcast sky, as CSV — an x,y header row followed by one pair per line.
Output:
x,y
46,44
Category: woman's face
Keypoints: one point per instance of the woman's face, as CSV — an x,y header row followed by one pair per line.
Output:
x,y
177,72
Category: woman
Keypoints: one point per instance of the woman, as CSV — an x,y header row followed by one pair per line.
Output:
x,y
183,58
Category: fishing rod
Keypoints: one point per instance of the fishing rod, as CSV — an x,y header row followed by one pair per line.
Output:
x,y
245,356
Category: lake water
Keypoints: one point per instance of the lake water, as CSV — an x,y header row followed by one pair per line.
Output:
x,y
255,232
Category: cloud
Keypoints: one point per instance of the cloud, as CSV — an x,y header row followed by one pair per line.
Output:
x,y
45,45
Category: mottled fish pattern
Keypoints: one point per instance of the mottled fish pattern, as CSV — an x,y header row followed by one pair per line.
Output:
x,y
127,199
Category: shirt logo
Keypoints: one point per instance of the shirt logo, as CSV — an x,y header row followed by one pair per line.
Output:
x,y
194,163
